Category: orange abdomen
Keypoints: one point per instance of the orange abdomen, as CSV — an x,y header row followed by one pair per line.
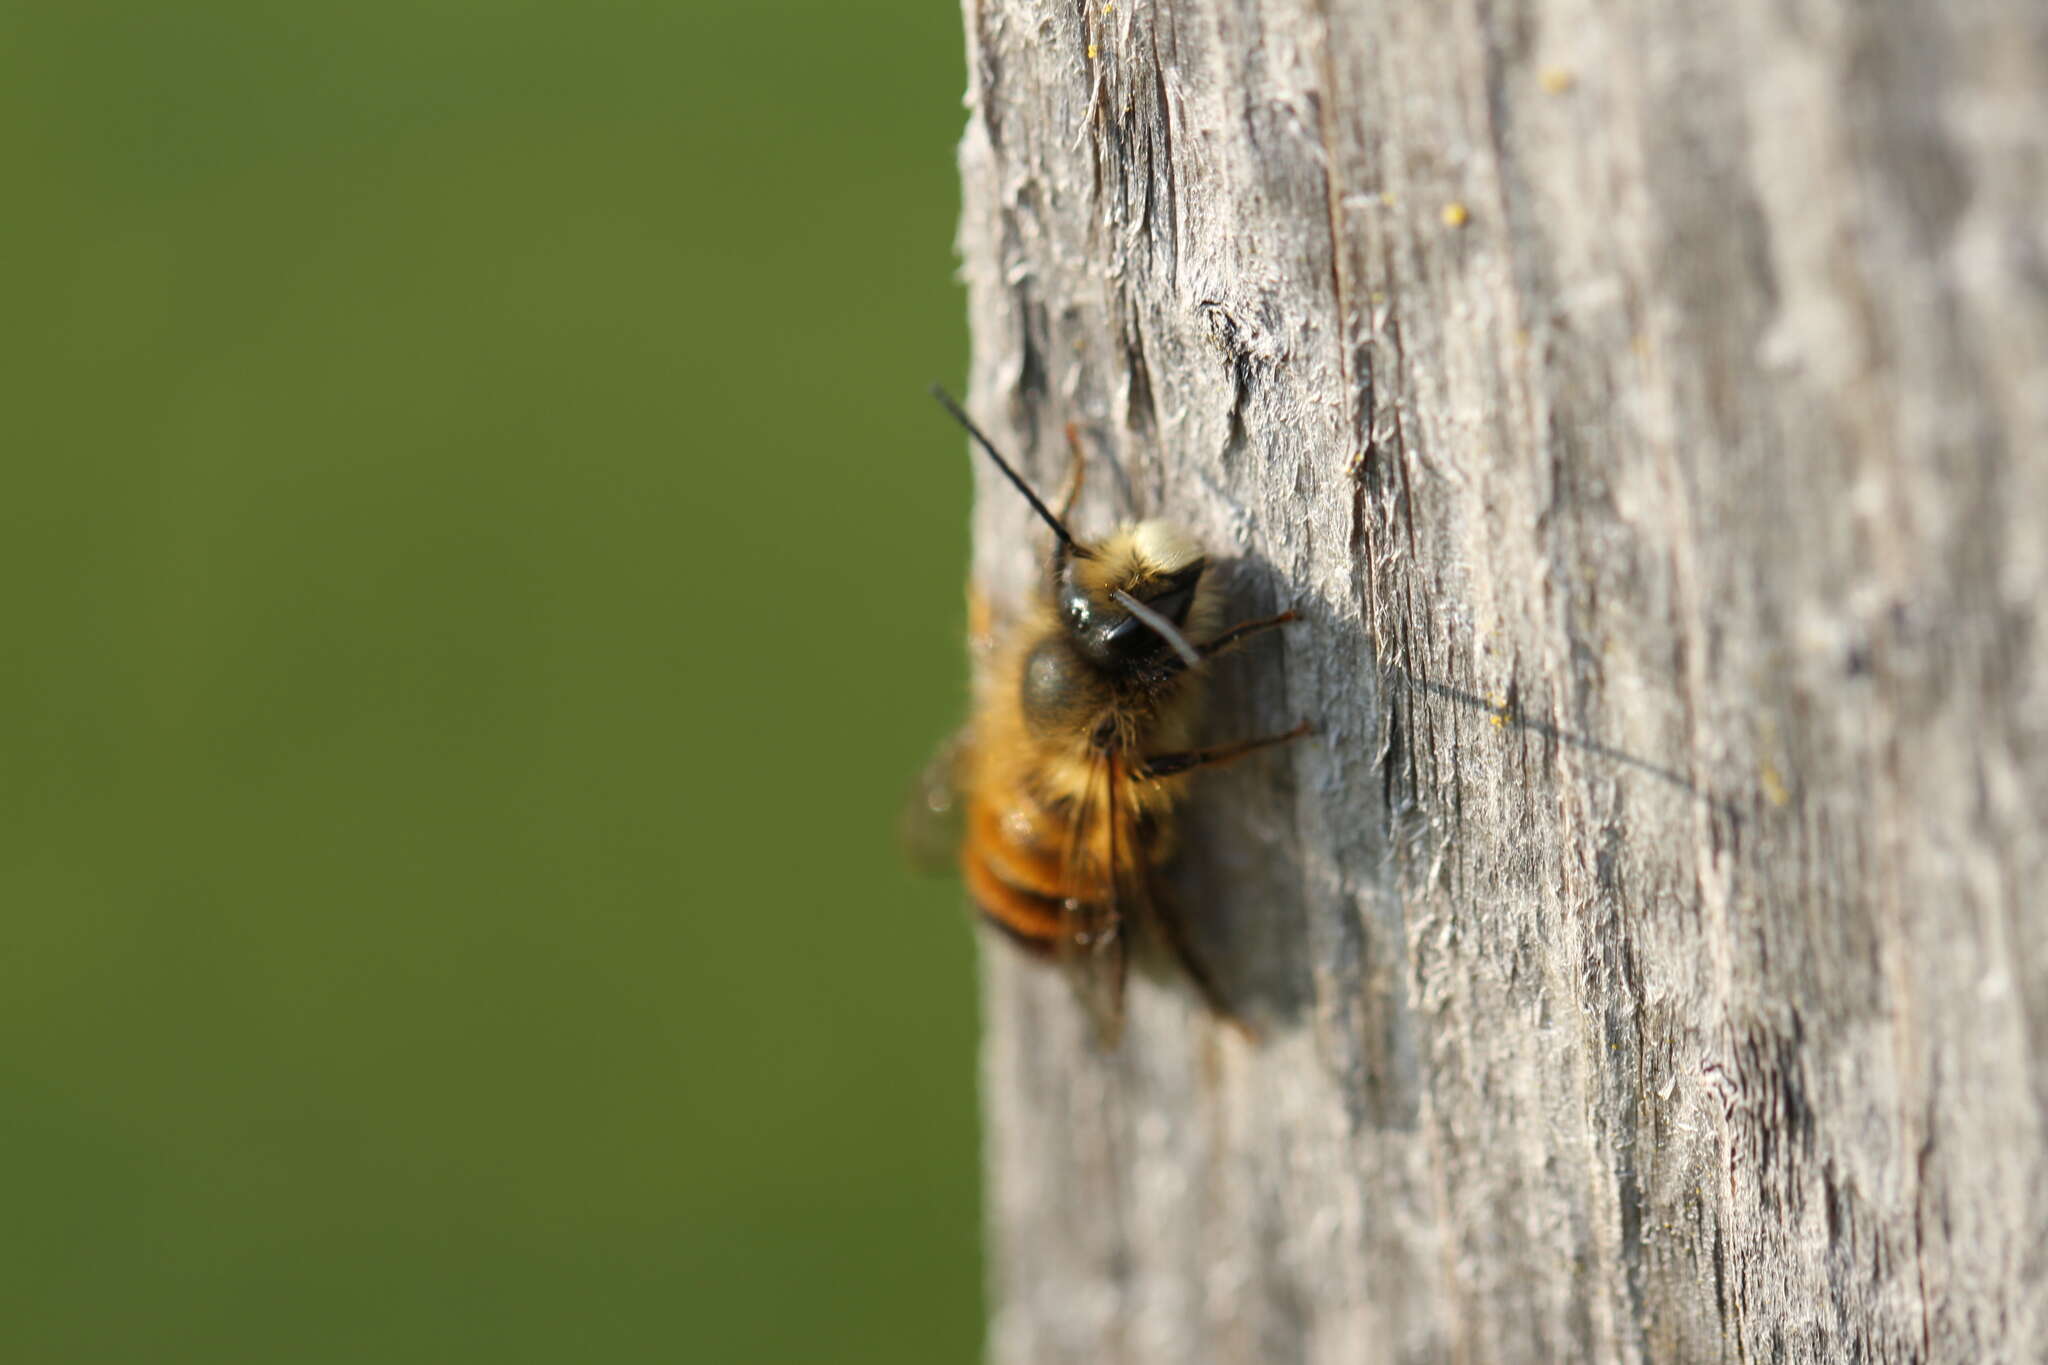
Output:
x,y
1039,874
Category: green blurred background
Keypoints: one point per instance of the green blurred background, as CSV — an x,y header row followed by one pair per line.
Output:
x,y
482,571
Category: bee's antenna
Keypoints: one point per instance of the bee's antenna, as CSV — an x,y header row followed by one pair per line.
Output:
x,y
960,416
1160,626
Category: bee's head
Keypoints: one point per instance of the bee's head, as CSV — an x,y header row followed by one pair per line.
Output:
x,y
1122,602
1125,601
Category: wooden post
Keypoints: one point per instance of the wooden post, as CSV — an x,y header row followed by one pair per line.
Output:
x,y
1647,406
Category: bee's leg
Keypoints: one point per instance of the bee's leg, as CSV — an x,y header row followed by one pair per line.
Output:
x,y
1241,632
1166,765
1227,641
1166,919
1077,465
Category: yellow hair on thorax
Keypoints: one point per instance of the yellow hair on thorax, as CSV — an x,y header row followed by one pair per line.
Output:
x,y
1134,554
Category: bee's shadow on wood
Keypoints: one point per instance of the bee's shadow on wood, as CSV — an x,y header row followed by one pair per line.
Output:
x,y
1289,880
1236,882
1282,876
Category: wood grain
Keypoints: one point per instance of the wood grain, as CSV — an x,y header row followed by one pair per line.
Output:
x,y
1647,407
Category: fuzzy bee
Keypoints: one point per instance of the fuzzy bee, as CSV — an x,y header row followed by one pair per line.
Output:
x,y
1082,742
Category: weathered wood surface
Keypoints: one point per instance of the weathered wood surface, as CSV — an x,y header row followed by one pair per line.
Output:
x,y
1650,949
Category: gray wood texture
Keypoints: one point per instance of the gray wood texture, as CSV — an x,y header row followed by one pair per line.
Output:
x,y
1647,406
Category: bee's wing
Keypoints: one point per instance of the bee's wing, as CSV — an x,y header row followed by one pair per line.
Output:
x,y
1094,950
1095,966
934,816
933,825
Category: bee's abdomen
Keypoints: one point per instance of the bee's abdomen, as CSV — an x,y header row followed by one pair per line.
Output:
x,y
1036,921
1016,881
1039,877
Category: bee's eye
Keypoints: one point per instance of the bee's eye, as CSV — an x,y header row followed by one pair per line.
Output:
x,y
1056,687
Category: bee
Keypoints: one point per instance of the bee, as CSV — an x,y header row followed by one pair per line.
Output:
x,y
1082,742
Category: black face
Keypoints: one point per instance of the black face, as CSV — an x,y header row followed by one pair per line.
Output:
x,y
1111,637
